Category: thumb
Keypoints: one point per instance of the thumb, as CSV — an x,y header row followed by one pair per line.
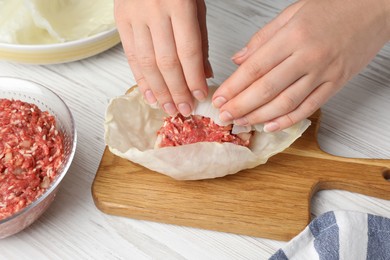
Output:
x,y
267,32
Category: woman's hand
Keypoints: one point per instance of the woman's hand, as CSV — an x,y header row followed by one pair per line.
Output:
x,y
300,59
166,45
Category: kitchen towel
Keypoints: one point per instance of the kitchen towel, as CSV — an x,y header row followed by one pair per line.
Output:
x,y
340,235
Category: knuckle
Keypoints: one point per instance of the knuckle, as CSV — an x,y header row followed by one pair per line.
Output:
x,y
236,109
141,81
167,62
343,76
161,93
290,120
288,102
227,89
268,89
255,117
259,37
319,54
180,94
131,58
312,104
340,71
229,93
146,62
253,69
317,51
300,34
299,31
195,82
188,50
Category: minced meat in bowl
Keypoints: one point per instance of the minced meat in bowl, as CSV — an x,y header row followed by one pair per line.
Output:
x,y
37,145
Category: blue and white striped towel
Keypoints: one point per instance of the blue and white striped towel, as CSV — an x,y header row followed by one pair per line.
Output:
x,y
340,235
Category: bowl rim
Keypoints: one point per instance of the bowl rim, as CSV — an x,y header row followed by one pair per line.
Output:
x,y
67,165
54,46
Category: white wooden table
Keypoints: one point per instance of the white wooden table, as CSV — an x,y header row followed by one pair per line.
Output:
x,y
355,123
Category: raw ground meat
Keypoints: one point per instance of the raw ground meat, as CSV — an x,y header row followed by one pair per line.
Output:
x,y
31,152
180,130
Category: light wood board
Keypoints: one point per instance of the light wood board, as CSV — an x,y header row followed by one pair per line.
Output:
x,y
270,201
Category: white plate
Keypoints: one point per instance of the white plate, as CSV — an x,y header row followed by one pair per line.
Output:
x,y
59,52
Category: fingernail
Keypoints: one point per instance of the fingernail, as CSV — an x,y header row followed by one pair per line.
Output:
x,y
225,116
150,98
219,101
239,54
199,95
184,109
241,121
271,127
170,108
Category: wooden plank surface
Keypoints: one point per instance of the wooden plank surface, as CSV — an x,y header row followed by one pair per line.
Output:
x,y
355,123
270,201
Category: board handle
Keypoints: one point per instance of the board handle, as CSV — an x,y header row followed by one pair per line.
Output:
x,y
366,176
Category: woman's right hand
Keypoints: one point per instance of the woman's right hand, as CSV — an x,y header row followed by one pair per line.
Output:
x,y
166,45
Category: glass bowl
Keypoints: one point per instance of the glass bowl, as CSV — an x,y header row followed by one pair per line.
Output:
x,y
46,100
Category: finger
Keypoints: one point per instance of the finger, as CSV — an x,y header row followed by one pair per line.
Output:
x,y
169,64
146,60
189,48
208,70
266,33
310,105
287,101
127,39
264,90
261,62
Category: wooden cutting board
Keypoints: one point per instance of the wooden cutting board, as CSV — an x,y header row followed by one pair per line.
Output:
x,y
270,201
